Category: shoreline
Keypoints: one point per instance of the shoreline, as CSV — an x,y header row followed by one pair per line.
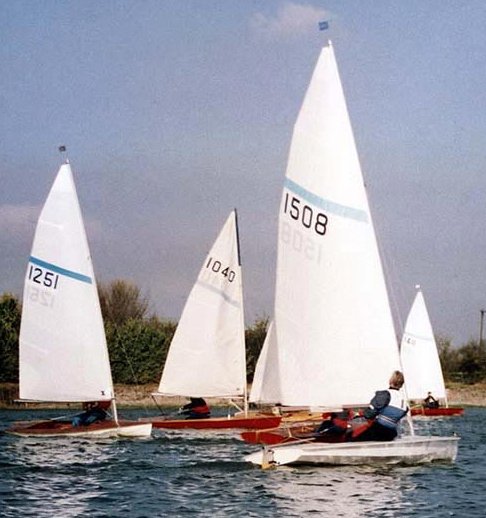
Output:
x,y
136,396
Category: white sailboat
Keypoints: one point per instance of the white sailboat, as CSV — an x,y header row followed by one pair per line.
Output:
x,y
63,351
207,354
421,362
334,331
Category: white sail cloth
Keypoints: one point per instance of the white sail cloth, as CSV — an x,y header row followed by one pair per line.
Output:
x,y
207,354
63,352
420,357
334,330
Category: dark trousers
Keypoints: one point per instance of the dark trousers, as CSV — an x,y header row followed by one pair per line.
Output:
x,y
377,432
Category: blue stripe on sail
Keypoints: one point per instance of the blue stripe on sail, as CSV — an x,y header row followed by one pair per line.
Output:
x,y
61,271
229,300
328,206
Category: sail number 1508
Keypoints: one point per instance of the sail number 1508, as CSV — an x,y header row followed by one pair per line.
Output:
x,y
305,214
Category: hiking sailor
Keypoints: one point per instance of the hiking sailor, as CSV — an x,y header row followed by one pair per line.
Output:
x,y
386,409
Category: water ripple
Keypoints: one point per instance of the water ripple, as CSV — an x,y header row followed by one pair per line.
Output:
x,y
201,475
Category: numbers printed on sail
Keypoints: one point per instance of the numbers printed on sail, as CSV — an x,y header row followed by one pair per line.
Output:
x,y
43,277
40,296
307,245
217,267
307,216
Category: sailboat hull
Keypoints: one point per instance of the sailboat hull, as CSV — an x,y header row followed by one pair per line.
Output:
x,y
406,451
215,423
96,430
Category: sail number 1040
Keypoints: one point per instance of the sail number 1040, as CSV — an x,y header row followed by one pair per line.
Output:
x,y
43,277
217,267
308,217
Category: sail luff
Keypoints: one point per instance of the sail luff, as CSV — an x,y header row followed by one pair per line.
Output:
x,y
242,315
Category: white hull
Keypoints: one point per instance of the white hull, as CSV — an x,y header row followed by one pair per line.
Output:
x,y
129,430
139,430
407,450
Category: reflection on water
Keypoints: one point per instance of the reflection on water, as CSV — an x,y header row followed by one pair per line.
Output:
x,y
345,492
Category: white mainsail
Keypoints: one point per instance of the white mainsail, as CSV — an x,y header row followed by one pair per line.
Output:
x,y
207,354
334,328
266,382
420,358
334,331
63,352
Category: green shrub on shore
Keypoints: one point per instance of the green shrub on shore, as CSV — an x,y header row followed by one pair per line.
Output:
x,y
10,311
138,344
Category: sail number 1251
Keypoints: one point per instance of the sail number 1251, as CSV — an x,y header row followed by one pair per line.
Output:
x,y
308,217
43,277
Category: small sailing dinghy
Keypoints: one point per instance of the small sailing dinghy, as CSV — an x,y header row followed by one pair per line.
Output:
x,y
421,362
207,354
334,341
63,351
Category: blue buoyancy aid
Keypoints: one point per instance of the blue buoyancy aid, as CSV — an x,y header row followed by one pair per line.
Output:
x,y
390,415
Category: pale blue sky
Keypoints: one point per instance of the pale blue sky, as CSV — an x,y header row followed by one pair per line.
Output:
x,y
174,112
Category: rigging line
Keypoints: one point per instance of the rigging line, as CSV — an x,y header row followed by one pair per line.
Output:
x,y
390,276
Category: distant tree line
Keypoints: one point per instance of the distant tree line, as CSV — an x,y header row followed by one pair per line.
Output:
x,y
138,342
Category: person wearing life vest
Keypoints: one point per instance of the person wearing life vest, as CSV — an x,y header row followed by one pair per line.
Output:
x,y
94,411
385,411
196,409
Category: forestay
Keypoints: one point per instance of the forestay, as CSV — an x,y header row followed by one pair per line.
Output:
x,y
420,358
334,329
63,352
207,354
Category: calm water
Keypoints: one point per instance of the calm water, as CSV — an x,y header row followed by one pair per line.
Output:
x,y
180,475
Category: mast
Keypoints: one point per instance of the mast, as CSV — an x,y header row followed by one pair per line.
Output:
x,y
242,319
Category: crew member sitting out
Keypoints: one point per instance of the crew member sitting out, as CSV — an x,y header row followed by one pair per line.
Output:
x,y
94,411
386,409
196,409
430,401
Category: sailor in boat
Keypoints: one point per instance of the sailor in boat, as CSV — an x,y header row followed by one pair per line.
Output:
x,y
430,401
94,411
197,408
336,427
386,410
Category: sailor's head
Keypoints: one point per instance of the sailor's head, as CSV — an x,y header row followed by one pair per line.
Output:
x,y
396,380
